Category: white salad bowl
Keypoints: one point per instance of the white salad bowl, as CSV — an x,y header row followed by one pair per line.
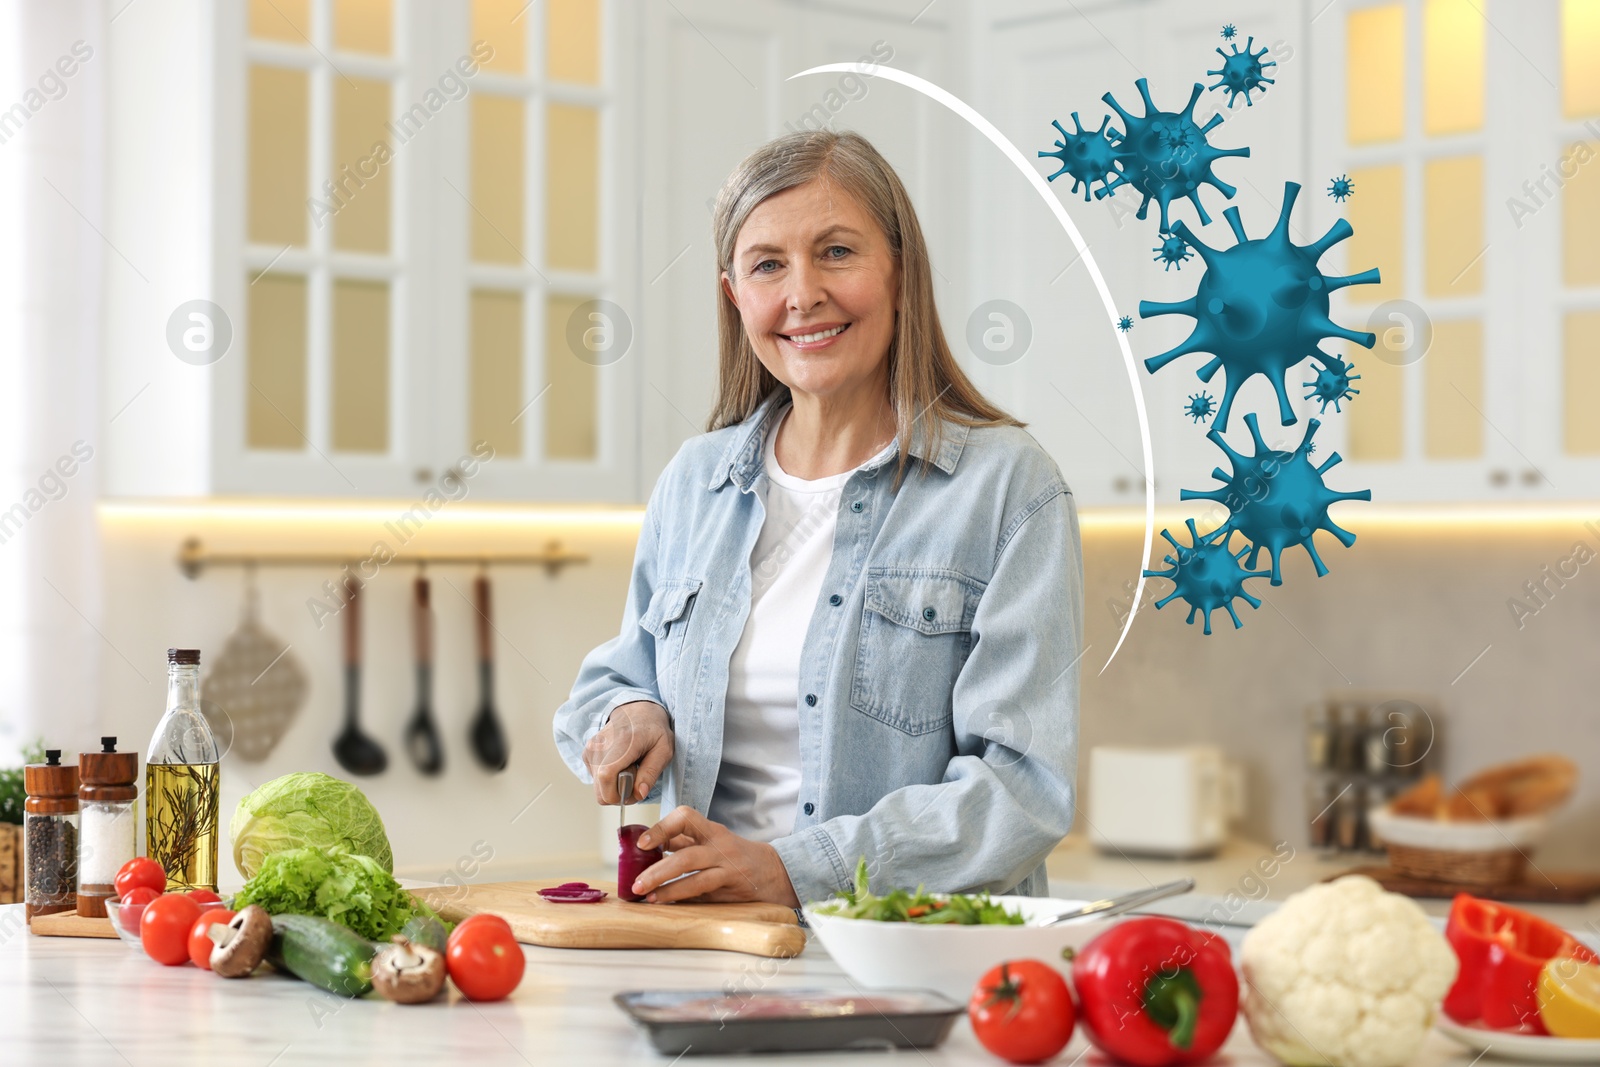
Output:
x,y
947,958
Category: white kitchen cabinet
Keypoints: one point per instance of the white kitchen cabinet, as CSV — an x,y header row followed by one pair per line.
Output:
x,y
1440,145
487,172
714,89
1043,63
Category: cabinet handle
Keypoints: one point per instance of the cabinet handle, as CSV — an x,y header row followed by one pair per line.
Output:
x,y
1531,477
422,475
1500,477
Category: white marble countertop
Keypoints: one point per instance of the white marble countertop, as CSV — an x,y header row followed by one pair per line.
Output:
x,y
72,1001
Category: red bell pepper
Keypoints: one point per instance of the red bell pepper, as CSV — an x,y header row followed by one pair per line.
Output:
x,y
1154,992
1501,950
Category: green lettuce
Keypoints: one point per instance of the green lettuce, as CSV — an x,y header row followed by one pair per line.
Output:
x,y
306,809
349,889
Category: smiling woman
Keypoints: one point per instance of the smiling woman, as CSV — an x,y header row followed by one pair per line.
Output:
x,y
819,665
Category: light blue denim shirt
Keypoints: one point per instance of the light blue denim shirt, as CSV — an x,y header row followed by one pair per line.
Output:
x,y
939,674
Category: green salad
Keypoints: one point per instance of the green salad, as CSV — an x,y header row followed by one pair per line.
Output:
x,y
904,906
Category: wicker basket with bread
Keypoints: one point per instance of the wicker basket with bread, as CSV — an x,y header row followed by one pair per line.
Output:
x,y
1481,831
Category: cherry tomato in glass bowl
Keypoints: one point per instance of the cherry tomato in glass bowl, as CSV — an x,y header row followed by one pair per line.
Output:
x,y
164,928
140,871
203,897
1022,1011
200,943
483,958
139,896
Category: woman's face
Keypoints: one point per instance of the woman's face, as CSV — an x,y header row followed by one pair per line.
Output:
x,y
811,261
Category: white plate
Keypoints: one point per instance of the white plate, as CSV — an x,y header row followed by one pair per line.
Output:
x,y
1529,1047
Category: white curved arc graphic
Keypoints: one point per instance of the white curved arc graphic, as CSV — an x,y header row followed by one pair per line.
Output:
x,y
987,128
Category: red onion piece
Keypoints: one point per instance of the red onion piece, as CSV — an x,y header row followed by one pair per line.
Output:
x,y
632,860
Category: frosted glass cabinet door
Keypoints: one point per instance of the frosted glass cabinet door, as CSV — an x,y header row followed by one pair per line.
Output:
x,y
425,232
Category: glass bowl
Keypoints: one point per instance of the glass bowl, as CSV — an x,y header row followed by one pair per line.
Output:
x,y
116,913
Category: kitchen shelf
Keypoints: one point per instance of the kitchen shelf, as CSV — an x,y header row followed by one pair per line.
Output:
x,y
193,558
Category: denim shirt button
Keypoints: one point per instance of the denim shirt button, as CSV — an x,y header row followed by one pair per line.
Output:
x,y
810,807
855,505
811,700
836,600
928,613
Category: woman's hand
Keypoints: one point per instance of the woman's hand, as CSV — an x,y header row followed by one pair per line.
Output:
x,y
637,732
726,867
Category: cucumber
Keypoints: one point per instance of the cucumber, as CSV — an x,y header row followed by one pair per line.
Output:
x,y
426,930
320,951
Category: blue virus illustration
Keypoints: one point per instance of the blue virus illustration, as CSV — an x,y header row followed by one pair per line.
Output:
x,y
1167,154
1342,188
1261,306
1125,323
1277,499
1200,406
1172,252
1206,574
1088,155
1242,72
1332,383
1229,33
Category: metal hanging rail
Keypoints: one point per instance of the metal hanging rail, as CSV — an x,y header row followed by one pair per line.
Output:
x,y
193,558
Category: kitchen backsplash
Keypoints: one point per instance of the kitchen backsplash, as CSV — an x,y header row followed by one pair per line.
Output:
x,y
1416,607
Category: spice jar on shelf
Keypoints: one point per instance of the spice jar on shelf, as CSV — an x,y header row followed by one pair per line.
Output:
x,y
50,836
108,801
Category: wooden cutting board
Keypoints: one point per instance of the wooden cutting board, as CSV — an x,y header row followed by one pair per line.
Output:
x,y
71,924
758,929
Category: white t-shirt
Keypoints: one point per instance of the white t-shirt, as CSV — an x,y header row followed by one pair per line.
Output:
x,y
758,785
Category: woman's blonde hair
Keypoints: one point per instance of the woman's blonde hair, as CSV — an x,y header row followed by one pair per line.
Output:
x,y
925,382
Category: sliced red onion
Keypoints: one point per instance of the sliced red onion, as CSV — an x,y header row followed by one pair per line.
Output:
x,y
573,893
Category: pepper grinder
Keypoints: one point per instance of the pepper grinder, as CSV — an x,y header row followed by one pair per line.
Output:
x,y
50,835
108,796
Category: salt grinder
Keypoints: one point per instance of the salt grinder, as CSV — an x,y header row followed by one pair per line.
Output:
x,y
108,796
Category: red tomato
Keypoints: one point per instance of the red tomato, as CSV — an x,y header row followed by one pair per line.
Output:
x,y
164,929
139,895
140,871
1022,1011
203,897
128,915
200,943
483,958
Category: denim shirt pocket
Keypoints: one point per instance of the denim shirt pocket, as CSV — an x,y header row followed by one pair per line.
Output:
x,y
916,632
667,620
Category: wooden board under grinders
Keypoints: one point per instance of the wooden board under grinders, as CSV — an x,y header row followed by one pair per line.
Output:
x,y
71,924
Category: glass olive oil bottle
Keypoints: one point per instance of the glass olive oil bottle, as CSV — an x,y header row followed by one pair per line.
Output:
x,y
182,781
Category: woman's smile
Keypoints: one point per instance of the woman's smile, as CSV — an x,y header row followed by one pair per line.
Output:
x,y
815,338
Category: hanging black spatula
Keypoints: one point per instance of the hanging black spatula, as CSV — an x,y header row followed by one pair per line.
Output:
x,y
356,752
422,736
488,739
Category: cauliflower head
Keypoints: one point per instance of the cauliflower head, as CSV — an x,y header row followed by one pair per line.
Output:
x,y
1345,974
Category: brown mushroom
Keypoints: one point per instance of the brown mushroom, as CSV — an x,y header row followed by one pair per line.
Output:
x,y
407,973
238,947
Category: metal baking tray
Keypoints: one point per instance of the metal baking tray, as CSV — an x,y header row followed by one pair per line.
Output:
x,y
715,1021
